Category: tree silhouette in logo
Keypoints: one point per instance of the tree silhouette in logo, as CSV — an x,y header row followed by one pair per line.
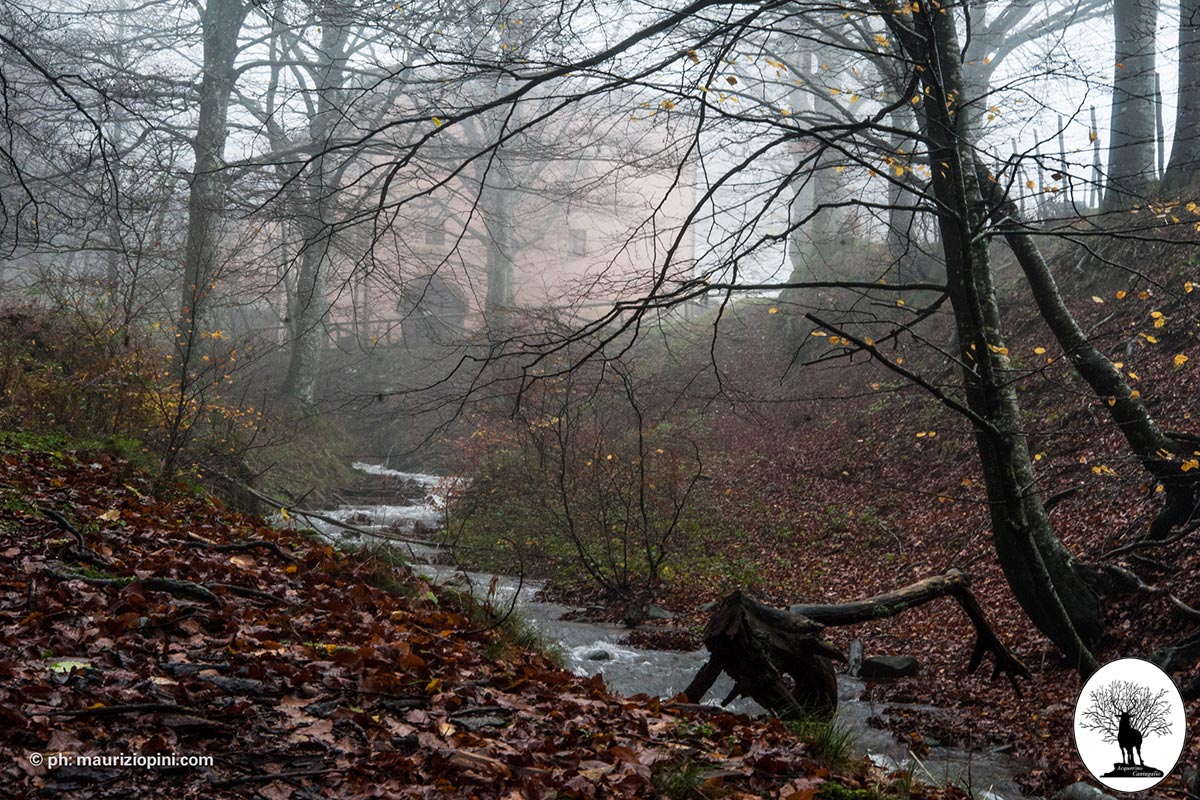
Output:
x,y
1125,712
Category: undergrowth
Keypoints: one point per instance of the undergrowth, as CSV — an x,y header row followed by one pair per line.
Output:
x,y
511,631
832,745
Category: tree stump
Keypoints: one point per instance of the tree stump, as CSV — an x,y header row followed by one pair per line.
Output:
x,y
758,646
761,647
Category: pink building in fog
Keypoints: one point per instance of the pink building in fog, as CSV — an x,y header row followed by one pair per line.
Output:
x,y
573,225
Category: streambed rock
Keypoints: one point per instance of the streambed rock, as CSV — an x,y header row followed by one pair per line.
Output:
x,y
1082,791
889,667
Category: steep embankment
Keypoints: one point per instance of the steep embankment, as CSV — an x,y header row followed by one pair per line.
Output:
x,y
869,484
140,625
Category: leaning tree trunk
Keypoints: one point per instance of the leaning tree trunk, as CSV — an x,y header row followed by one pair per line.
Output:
x,y
1185,150
1132,136
1047,582
1162,454
758,645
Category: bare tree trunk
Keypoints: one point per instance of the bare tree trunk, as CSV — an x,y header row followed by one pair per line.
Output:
x,y
1185,150
498,221
799,244
830,237
312,305
1043,576
903,247
221,24
1131,135
1160,453
497,186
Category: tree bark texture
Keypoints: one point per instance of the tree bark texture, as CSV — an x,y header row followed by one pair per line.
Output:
x,y
1185,150
758,645
1047,582
1131,172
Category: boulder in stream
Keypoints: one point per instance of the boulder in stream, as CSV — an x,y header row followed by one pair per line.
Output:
x,y
890,667
658,612
1081,791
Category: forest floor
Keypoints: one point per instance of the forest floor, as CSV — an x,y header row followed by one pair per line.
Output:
x,y
843,480
138,624
882,487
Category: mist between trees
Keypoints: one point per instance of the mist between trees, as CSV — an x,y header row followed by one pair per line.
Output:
x,y
414,218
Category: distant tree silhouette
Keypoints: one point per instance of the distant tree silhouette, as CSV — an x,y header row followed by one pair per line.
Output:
x,y
1126,712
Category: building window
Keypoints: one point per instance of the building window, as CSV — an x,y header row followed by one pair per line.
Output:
x,y
435,234
577,242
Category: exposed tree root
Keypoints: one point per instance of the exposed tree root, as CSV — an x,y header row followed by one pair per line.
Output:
x,y
173,586
195,540
758,645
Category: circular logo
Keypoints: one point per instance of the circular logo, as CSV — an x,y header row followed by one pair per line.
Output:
x,y
1129,725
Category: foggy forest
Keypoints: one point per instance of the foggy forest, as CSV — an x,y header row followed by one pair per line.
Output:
x,y
599,399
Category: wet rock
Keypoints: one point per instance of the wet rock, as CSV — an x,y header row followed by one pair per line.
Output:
x,y
890,667
658,612
322,708
599,655
474,719
458,580
1082,791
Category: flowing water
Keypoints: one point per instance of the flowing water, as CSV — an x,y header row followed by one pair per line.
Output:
x,y
593,648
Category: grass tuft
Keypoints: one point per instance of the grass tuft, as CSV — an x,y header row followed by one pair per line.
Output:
x,y
832,745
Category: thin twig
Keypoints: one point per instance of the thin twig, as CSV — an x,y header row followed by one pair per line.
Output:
x,y
248,591
65,524
939,395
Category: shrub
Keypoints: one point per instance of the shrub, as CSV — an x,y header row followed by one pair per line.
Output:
x,y
584,477
63,372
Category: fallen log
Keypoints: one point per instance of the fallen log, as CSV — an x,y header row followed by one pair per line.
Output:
x,y
761,647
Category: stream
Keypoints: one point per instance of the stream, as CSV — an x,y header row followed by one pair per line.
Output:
x,y
592,648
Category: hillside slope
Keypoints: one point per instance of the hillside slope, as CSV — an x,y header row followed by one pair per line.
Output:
x,y
139,625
